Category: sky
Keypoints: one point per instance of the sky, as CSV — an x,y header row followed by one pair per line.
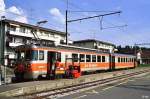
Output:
x,y
135,14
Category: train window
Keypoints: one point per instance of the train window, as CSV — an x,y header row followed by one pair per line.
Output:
x,y
126,60
75,57
98,58
132,59
88,58
59,57
20,55
41,55
34,55
28,55
82,58
118,59
103,58
129,60
121,59
93,58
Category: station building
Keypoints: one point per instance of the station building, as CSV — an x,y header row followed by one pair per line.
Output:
x,y
95,44
14,33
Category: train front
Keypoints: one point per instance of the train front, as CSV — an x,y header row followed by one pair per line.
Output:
x,y
24,59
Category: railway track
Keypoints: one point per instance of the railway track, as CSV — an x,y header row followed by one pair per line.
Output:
x,y
61,92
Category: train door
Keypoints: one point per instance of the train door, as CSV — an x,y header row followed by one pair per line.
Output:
x,y
51,59
113,62
110,62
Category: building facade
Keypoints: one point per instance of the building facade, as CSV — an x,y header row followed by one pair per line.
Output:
x,y
95,44
13,34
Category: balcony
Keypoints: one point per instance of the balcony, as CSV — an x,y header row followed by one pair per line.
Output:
x,y
17,33
30,35
11,44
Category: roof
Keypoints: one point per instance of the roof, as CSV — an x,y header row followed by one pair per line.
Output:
x,y
93,40
63,47
34,26
75,48
124,55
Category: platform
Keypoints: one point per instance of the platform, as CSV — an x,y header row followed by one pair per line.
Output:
x,y
38,86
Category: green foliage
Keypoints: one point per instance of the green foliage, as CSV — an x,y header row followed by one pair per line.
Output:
x,y
144,65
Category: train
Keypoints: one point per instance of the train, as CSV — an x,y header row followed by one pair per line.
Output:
x,y
37,61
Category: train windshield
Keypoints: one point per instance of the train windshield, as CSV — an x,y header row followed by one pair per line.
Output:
x,y
27,55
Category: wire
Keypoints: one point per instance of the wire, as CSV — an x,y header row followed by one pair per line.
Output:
x,y
73,5
115,26
90,11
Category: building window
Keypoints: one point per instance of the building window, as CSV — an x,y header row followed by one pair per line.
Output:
x,y
88,58
98,58
24,40
93,58
41,55
18,40
29,30
82,58
103,58
12,28
22,29
52,35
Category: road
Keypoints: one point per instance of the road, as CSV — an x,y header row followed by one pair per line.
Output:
x,y
137,88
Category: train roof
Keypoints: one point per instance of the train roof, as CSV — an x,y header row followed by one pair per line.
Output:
x,y
60,46
119,54
69,47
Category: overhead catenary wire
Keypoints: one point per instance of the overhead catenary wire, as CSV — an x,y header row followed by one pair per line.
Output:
x,y
119,26
92,11
100,19
94,16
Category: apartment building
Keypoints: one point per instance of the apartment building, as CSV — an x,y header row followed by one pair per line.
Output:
x,y
13,34
96,44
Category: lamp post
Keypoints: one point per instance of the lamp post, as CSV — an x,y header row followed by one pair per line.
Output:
x,y
41,22
37,29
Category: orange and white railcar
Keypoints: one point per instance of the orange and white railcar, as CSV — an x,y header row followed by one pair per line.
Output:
x,y
67,60
124,61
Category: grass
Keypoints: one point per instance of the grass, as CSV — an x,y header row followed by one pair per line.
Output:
x,y
144,65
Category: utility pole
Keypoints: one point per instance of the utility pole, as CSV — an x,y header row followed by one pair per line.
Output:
x,y
66,27
85,18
